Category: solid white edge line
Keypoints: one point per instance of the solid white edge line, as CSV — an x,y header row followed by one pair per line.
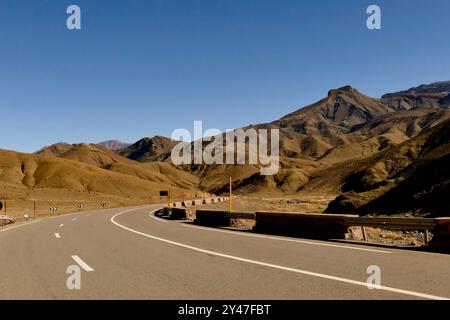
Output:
x,y
274,266
238,233
82,264
18,226
57,235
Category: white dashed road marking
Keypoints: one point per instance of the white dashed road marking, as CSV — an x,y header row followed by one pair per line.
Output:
x,y
82,264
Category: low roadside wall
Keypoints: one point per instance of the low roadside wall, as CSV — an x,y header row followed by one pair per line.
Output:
x,y
441,234
314,226
321,226
179,210
218,218
177,213
211,218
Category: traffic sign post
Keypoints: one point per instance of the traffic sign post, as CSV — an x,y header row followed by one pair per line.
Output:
x,y
168,199
230,203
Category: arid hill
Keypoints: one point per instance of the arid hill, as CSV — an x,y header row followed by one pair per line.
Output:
x,y
157,148
109,160
412,177
372,152
41,172
340,129
347,124
54,150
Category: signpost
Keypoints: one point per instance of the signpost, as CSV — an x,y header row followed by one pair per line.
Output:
x,y
165,193
231,195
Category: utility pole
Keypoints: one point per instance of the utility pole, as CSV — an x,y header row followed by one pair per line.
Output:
x,y
168,199
231,195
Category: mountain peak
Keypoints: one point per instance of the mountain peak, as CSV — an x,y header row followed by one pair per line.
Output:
x,y
147,149
344,89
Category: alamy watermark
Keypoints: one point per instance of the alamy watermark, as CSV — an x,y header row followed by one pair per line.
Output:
x,y
374,20
73,281
249,146
374,279
73,21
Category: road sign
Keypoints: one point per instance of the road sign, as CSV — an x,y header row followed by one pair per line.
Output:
x,y
80,206
53,209
163,193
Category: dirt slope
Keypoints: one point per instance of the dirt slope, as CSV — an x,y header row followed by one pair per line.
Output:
x,y
412,177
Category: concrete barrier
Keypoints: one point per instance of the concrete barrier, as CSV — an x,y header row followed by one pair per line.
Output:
x,y
441,234
212,218
393,223
175,213
242,215
314,226
217,218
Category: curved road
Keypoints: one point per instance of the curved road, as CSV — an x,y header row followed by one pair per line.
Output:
x,y
130,254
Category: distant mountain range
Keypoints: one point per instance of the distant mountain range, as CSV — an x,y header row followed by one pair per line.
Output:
x,y
114,144
440,88
367,151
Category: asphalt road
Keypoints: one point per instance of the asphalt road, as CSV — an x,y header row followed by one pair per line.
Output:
x,y
130,254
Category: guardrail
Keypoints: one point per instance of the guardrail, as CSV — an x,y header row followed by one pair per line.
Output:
x,y
4,220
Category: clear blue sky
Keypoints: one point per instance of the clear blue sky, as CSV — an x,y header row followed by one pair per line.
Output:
x,y
139,68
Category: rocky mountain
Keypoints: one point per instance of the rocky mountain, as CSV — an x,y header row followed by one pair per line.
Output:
x,y
411,177
157,148
347,124
369,151
433,88
343,128
115,145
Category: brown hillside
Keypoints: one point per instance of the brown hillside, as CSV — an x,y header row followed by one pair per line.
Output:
x,y
413,176
41,172
149,149
100,157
